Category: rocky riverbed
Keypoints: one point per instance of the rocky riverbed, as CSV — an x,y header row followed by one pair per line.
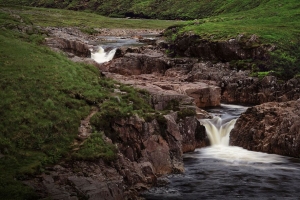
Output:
x,y
192,82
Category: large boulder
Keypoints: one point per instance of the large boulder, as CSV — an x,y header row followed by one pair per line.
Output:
x,y
270,127
139,63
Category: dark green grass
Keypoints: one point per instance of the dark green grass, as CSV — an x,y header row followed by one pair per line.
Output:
x,y
273,22
169,9
43,98
85,20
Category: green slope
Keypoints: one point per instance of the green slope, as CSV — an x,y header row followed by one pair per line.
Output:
x,y
168,9
274,22
43,98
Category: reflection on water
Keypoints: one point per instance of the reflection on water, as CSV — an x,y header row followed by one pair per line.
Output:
x,y
229,172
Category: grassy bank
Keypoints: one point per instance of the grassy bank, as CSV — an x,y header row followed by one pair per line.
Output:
x,y
68,18
273,22
170,9
43,98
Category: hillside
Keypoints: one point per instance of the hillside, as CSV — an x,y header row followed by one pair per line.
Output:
x,y
44,96
271,21
171,9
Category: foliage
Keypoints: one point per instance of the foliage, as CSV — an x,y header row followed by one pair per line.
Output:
x,y
94,148
186,112
44,96
275,23
86,21
169,9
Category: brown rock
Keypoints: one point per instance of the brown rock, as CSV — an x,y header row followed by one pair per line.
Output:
x,y
270,127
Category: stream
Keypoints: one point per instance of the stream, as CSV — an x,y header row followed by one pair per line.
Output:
x,y
228,172
112,43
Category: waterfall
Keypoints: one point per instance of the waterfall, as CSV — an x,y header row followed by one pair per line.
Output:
x,y
101,56
217,131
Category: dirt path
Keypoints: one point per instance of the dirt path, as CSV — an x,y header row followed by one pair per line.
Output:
x,y
84,130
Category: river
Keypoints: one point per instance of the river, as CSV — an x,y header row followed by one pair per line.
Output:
x,y
229,172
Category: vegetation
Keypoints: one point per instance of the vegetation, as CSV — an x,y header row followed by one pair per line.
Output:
x,y
94,148
44,96
169,9
86,21
273,22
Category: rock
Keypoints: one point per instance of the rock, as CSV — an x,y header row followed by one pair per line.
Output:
x,y
193,46
270,127
76,47
136,64
204,95
254,91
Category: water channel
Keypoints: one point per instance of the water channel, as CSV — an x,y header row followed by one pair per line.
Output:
x,y
222,171
228,172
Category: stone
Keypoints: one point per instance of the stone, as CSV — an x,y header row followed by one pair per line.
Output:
x,y
270,127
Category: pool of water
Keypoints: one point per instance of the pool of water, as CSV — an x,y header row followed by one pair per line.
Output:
x,y
228,172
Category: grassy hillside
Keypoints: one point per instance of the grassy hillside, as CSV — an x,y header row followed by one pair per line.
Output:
x,y
43,98
169,9
273,22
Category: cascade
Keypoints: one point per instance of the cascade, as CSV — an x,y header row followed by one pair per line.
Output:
x,y
101,56
217,131
221,171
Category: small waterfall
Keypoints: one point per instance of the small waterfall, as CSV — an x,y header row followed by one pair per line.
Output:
x,y
101,56
217,131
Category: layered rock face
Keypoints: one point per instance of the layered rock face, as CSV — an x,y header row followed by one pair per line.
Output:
x,y
233,49
255,91
150,149
147,150
270,127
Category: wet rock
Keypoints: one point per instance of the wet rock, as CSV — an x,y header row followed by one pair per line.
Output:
x,y
270,127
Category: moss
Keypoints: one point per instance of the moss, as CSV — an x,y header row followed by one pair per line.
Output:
x,y
95,148
186,112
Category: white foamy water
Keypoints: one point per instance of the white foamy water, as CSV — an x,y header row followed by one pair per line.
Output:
x,y
218,133
238,155
101,56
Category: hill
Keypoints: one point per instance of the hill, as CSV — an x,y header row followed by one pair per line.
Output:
x,y
44,97
170,9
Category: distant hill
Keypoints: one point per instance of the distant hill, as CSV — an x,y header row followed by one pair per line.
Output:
x,y
167,9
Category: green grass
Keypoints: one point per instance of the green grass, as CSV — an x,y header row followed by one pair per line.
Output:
x,y
85,20
169,9
274,22
44,96
94,148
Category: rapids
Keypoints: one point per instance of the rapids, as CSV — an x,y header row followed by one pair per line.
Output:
x,y
221,171
101,56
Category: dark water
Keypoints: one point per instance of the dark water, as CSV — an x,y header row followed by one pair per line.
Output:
x,y
224,172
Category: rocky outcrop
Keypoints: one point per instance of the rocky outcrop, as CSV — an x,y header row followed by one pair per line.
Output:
x,y
166,90
190,45
136,64
254,91
271,127
147,150
75,47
